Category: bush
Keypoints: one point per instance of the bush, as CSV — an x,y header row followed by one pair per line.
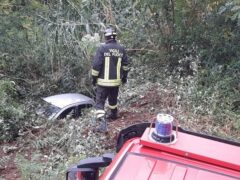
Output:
x,y
11,111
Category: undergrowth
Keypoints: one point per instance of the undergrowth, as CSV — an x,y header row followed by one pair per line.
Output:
x,y
198,107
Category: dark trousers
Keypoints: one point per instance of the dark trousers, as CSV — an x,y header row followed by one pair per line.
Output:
x,y
103,93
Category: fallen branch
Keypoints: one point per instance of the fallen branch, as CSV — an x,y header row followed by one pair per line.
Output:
x,y
142,50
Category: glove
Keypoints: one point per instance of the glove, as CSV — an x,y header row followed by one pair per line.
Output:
x,y
94,81
124,80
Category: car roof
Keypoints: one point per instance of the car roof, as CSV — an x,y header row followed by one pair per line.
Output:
x,y
63,100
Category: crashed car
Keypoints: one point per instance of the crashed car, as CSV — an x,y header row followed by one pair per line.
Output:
x,y
63,105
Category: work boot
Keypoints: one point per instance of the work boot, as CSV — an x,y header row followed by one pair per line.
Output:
x,y
99,114
101,123
113,115
101,126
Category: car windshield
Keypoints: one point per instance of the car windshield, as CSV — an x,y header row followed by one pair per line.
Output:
x,y
48,110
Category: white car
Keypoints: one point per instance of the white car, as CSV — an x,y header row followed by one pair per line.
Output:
x,y
61,105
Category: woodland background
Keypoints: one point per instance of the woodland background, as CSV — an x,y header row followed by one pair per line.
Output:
x,y
190,47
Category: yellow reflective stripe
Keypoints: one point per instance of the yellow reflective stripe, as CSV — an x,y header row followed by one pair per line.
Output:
x,y
112,82
95,73
113,107
106,68
125,68
118,67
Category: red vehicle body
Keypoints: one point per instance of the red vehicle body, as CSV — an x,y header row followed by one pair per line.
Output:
x,y
192,156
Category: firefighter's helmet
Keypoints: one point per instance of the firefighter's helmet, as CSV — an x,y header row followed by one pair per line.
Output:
x,y
110,33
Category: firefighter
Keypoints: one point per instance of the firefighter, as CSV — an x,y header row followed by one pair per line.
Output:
x,y
109,71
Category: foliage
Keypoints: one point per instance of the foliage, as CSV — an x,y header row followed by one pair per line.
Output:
x,y
232,8
190,48
3,161
48,45
29,169
61,144
11,111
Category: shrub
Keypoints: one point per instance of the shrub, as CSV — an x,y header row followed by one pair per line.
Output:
x,y
11,111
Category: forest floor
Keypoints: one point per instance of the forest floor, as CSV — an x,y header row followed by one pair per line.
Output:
x,y
142,109
139,113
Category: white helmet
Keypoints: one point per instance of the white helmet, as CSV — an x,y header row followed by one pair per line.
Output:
x,y
110,33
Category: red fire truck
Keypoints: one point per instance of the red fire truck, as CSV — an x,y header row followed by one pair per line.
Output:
x,y
181,155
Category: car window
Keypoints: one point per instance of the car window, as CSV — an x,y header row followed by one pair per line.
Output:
x,y
74,112
78,110
85,106
47,110
66,112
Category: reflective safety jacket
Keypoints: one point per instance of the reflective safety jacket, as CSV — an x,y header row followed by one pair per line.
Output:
x,y
110,64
